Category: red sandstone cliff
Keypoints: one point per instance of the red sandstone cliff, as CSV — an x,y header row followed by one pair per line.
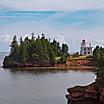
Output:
x,y
90,94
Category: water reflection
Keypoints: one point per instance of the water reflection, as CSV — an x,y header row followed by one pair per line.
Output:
x,y
39,71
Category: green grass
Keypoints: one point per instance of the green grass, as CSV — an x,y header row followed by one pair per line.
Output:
x,y
80,57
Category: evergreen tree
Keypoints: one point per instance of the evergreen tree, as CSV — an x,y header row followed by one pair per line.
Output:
x,y
96,52
25,55
56,47
21,40
32,38
14,46
14,53
65,48
24,52
44,50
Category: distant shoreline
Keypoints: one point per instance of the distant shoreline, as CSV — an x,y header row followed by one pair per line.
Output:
x,y
82,68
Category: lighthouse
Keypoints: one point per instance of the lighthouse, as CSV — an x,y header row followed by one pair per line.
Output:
x,y
85,49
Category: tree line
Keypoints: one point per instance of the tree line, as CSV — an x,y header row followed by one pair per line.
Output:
x,y
39,51
98,56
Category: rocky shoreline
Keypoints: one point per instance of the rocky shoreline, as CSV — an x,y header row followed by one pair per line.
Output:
x,y
70,63
90,94
58,67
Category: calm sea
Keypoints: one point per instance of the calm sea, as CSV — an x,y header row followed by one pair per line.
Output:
x,y
39,87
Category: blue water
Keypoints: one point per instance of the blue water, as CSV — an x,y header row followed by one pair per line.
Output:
x,y
39,87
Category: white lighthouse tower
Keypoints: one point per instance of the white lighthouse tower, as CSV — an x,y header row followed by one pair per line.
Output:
x,y
85,49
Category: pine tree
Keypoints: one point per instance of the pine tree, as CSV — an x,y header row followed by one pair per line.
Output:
x,y
56,47
14,46
14,53
65,48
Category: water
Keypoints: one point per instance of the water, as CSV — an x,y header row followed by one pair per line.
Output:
x,y
39,87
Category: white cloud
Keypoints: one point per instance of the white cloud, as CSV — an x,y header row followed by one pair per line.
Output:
x,y
53,4
59,38
7,38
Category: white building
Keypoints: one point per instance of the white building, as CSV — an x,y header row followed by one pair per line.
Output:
x,y
85,49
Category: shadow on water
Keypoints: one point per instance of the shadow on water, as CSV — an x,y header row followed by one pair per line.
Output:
x,y
37,71
40,71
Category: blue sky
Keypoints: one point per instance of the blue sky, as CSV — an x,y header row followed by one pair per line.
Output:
x,y
68,21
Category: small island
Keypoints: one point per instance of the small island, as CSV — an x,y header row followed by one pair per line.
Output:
x,y
41,52
36,52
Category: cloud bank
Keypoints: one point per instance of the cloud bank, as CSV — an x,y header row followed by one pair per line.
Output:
x,y
57,5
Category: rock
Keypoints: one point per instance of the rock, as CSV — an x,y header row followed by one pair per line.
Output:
x,y
82,95
76,89
77,94
91,91
90,94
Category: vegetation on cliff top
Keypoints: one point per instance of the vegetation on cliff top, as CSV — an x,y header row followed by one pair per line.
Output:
x,y
98,56
36,51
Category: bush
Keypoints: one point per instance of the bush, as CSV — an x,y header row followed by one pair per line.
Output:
x,y
7,61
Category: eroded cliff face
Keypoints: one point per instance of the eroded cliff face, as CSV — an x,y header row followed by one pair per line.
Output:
x,y
91,94
80,62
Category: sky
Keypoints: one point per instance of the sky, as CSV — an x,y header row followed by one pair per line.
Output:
x,y
67,21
